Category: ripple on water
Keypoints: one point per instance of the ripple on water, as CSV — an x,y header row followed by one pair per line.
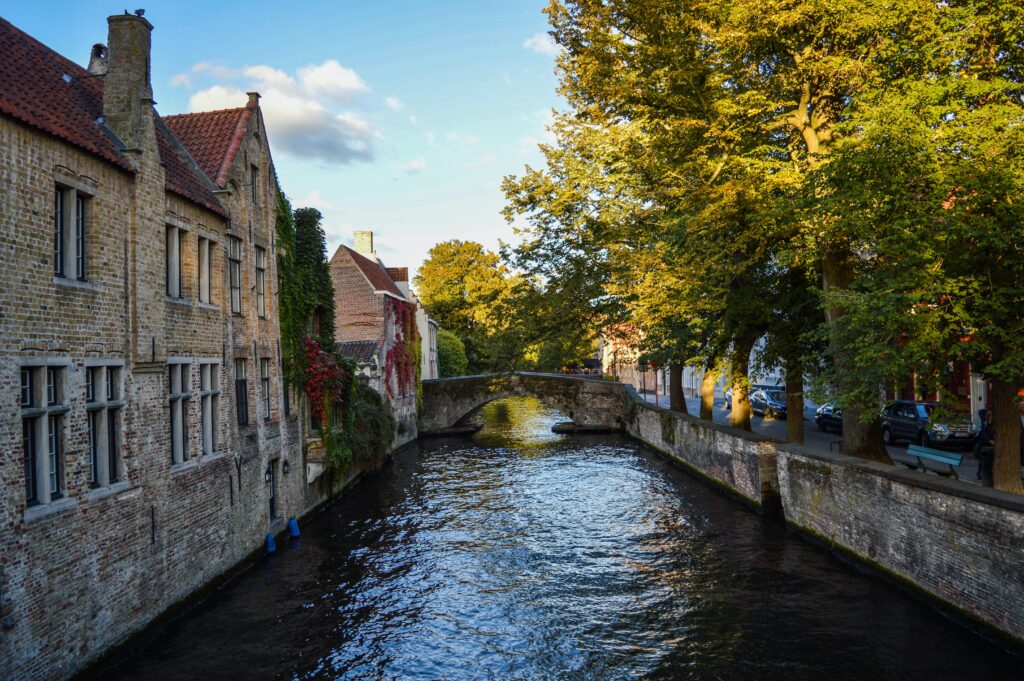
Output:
x,y
529,555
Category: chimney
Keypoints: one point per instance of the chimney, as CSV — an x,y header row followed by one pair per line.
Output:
x,y
98,60
127,92
362,243
254,100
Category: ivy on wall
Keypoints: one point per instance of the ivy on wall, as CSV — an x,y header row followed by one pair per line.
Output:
x,y
401,362
310,360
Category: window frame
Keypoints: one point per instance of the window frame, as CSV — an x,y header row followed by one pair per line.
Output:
x,y
174,247
261,282
241,391
179,393
43,405
235,273
265,386
104,403
209,396
70,232
204,257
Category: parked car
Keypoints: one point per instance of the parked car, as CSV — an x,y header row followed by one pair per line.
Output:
x,y
753,388
771,403
912,422
829,417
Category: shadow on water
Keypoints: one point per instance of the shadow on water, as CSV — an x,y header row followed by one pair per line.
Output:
x,y
522,554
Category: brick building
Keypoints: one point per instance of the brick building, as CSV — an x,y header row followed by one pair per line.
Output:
x,y
369,311
149,442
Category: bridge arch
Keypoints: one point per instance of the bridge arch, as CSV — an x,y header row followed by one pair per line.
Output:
x,y
589,402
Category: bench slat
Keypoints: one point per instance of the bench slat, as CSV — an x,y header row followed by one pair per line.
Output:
x,y
951,458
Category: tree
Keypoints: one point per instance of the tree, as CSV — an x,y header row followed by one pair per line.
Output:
x,y
451,354
461,284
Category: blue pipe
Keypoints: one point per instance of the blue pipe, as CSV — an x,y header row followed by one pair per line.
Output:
x,y
293,527
271,544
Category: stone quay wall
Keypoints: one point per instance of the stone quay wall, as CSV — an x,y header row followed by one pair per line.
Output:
x,y
958,543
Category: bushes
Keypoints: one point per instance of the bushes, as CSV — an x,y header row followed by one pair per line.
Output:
x,y
451,354
373,425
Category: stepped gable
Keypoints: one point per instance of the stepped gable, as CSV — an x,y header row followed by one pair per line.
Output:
x,y
213,137
33,91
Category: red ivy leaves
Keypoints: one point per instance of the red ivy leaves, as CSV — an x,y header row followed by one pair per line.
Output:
x,y
400,360
325,379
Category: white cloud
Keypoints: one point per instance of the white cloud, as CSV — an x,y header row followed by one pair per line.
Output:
x,y
542,43
333,81
507,78
314,200
394,103
214,69
463,140
301,110
431,139
417,165
181,80
413,120
485,160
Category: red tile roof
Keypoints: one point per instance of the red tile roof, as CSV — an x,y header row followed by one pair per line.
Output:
x,y
213,137
398,273
374,273
183,175
33,91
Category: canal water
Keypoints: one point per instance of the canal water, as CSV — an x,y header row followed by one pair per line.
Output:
x,y
521,554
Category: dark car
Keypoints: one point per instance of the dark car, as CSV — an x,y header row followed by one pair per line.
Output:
x,y
829,417
771,403
728,393
912,422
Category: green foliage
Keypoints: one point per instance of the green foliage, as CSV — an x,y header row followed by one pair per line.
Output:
x,y
451,354
372,425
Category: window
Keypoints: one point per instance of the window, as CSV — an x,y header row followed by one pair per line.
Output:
x,y
103,402
235,273
42,419
179,390
261,279
175,247
205,252
209,386
265,387
241,393
69,222
254,178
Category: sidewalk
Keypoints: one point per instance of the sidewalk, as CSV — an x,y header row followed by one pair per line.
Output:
x,y
814,439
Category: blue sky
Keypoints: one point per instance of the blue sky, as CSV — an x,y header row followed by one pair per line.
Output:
x,y
398,116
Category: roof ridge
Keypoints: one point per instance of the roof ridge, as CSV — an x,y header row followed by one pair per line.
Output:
x,y
203,113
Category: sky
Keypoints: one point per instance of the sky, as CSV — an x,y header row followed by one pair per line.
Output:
x,y
398,116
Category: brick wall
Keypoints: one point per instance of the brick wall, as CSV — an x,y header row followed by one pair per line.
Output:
x,y
82,574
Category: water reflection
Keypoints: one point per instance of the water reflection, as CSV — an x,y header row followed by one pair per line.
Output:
x,y
521,554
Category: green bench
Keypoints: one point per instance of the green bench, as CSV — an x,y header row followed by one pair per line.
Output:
x,y
927,459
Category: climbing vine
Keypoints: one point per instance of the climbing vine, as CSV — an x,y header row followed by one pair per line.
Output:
x,y
401,365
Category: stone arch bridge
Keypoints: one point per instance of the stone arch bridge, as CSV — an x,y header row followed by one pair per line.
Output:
x,y
589,402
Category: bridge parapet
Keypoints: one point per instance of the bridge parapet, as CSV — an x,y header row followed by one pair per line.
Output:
x,y
589,402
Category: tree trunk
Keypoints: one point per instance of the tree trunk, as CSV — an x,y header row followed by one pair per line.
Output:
x,y
739,365
795,401
677,400
861,437
1006,423
707,394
